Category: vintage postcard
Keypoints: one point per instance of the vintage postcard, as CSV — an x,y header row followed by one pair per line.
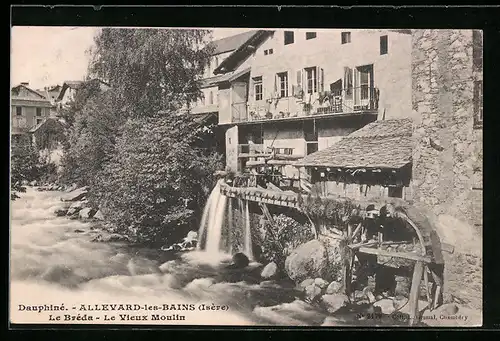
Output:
x,y
246,176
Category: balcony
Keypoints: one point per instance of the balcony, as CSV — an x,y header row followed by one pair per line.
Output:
x,y
343,102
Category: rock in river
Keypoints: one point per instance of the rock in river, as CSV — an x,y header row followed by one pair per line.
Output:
x,y
270,270
308,260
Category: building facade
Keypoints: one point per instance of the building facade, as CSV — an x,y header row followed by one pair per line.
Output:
x,y
29,108
301,91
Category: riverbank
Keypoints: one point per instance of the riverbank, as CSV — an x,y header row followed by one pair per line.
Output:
x,y
54,260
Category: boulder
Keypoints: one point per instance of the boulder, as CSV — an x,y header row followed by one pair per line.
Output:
x,y
269,271
399,302
386,306
77,194
75,208
320,282
332,303
240,260
334,288
98,215
86,213
305,283
33,183
312,292
306,261
113,237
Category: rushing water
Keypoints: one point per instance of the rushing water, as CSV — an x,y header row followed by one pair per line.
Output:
x,y
54,261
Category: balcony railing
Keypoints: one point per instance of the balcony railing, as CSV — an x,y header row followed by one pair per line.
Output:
x,y
343,101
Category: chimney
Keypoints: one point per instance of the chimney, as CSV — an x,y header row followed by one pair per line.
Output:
x,y
25,83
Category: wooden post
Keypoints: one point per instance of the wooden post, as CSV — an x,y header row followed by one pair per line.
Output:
x,y
415,292
427,291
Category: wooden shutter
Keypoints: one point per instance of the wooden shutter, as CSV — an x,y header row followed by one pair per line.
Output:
x,y
251,90
320,79
299,78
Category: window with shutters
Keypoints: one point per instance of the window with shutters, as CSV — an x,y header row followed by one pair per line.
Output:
x,y
258,89
39,111
311,80
289,37
282,82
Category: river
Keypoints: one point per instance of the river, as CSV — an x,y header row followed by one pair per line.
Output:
x,y
55,262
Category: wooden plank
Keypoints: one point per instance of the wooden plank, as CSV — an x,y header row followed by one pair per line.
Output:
x,y
362,244
405,255
426,281
414,292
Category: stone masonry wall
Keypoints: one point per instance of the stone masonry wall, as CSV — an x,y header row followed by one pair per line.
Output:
x,y
447,162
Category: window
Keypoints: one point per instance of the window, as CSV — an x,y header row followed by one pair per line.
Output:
x,y
478,104
289,38
268,51
39,111
310,136
310,35
346,37
283,84
39,120
311,80
19,111
257,83
384,45
395,192
211,98
364,84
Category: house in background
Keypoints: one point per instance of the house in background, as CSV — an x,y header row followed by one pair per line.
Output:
x,y
304,90
69,90
29,108
222,48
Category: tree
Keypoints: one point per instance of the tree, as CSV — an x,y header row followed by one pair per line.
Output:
x,y
142,160
152,69
157,182
24,167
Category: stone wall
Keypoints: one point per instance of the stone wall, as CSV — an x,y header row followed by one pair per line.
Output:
x,y
447,162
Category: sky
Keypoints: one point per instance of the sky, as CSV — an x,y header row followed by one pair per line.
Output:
x,y
45,56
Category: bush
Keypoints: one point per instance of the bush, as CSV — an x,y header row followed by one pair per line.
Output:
x,y
288,233
25,167
156,184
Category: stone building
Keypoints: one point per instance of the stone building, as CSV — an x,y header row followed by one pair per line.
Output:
x,y
448,155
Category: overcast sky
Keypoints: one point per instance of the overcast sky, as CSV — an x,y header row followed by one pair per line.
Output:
x,y
45,56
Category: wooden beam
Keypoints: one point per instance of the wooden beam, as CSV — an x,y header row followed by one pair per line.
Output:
x,y
414,292
405,255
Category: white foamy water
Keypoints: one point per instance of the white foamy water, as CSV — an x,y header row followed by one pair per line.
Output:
x,y
54,262
248,235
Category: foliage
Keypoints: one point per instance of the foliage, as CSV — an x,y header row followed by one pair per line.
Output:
x,y
25,167
153,69
288,234
92,137
336,212
154,173
147,167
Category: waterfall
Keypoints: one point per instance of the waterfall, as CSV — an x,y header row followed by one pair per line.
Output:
x,y
248,235
212,221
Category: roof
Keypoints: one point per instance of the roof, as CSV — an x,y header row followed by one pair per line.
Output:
x,y
45,121
380,144
75,85
231,76
231,43
242,52
15,93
